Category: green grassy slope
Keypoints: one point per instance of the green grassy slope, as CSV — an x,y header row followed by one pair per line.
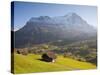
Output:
x,y
31,63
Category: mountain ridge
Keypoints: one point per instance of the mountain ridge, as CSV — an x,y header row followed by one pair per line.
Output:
x,y
46,29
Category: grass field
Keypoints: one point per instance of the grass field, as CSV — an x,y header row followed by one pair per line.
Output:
x,y
31,63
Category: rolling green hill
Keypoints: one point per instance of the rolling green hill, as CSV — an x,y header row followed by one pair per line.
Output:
x,y
31,63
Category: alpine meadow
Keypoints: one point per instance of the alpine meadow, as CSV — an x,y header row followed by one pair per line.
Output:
x,y
47,37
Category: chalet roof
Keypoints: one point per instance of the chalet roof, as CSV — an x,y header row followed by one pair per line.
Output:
x,y
51,55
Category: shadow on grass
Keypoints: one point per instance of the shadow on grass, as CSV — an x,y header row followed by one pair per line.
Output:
x,y
43,60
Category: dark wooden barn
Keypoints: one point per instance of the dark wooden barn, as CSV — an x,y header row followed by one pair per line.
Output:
x,y
49,56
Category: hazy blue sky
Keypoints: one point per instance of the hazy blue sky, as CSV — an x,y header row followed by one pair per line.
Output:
x,y
23,11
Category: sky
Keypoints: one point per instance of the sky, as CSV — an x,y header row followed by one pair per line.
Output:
x,y
23,11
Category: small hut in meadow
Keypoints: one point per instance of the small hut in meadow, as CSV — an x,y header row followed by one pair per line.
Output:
x,y
49,56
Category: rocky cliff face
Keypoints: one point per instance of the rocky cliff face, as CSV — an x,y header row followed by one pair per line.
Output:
x,y
45,29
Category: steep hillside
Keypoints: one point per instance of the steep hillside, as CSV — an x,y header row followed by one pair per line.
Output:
x,y
44,29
